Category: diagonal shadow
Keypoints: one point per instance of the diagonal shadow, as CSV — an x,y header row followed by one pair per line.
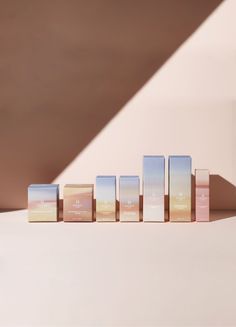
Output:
x,y
66,68
222,193
222,198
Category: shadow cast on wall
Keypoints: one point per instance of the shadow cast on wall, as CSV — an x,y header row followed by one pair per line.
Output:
x,y
67,67
222,199
222,193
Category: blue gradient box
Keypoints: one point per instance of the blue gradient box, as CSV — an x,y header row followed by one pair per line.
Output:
x,y
154,188
180,170
106,198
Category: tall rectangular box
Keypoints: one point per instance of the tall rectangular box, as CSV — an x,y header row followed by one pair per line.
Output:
x,y
78,202
106,198
154,188
180,169
202,195
43,202
129,198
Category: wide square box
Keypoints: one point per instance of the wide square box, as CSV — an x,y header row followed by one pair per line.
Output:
x,y
78,202
129,198
180,170
43,202
154,188
106,198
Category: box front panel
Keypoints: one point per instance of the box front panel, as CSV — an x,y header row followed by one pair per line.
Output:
x,y
78,204
105,199
202,194
42,204
129,198
180,188
153,188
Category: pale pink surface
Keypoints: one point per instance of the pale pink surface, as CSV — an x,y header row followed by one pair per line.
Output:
x,y
117,274
202,204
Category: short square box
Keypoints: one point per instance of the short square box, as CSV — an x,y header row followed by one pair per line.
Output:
x,y
43,202
78,202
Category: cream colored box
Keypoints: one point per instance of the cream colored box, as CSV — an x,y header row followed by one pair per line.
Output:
x,y
154,188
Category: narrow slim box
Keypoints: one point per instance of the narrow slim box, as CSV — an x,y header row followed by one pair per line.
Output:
x,y
202,195
106,198
154,188
180,169
43,201
129,198
78,202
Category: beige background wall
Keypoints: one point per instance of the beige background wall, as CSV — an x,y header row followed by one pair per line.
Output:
x,y
187,107
67,68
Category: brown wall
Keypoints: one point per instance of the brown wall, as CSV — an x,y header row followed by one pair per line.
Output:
x,y
67,67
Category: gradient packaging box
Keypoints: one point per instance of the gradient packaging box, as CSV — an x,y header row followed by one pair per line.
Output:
x,y
154,188
43,201
202,195
78,202
106,198
129,198
180,169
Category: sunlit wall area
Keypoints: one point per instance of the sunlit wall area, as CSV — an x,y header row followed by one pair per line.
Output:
x,y
187,107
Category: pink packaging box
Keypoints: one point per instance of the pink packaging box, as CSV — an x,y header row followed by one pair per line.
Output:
x,y
202,195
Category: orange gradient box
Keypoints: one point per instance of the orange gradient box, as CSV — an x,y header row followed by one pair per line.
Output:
x,y
78,202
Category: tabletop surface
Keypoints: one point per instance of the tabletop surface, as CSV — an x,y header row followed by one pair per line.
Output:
x,y
117,274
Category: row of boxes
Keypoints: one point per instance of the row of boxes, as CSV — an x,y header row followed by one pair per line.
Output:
x,y
78,205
